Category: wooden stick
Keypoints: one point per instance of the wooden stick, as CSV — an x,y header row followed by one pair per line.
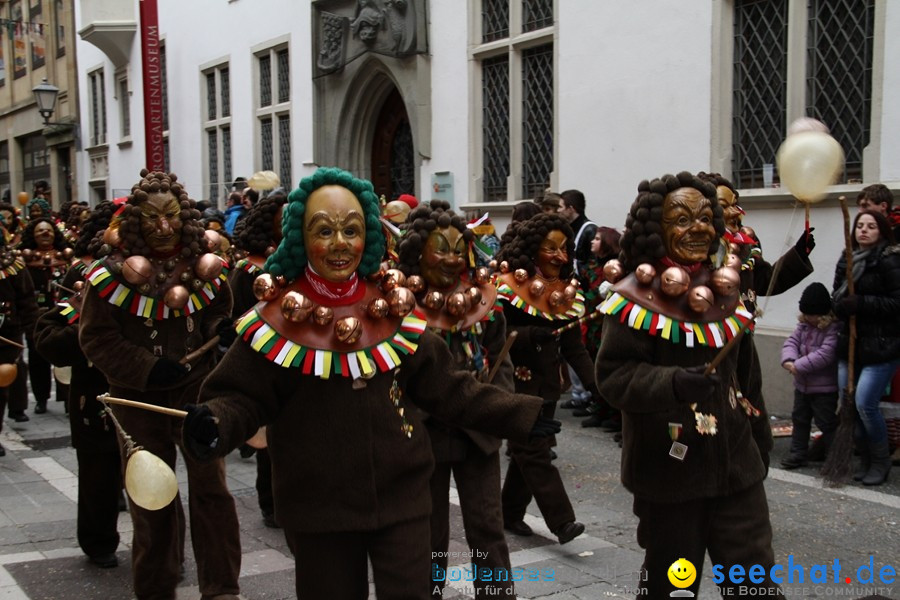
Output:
x,y
727,348
507,346
578,322
200,351
11,343
63,288
107,399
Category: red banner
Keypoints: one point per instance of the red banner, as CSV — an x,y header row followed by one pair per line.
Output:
x,y
153,97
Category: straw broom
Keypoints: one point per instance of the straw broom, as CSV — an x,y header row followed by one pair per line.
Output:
x,y
836,470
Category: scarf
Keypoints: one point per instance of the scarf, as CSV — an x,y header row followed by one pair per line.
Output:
x,y
859,267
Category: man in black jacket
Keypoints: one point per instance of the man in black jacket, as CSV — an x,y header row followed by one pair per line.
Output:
x,y
572,210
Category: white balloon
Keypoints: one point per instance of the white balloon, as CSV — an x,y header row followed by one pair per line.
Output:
x,y
150,482
807,124
808,162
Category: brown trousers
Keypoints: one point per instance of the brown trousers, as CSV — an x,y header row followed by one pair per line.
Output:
x,y
478,482
532,474
158,546
734,529
334,565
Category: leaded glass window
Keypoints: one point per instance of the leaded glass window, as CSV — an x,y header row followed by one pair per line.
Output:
x,y
839,73
494,20
265,80
284,76
212,149
211,95
760,87
226,157
536,14
225,85
265,143
284,150
495,133
537,118
403,174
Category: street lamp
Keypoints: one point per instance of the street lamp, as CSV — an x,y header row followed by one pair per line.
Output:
x,y
45,94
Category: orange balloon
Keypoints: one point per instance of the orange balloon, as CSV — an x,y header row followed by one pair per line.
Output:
x,y
23,198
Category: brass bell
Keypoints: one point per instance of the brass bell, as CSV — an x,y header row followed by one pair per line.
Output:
x,y
645,273
323,315
700,299
296,307
401,301
378,308
265,288
433,300
457,304
674,281
348,330
613,270
415,283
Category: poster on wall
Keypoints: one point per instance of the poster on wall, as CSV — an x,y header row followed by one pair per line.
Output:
x,y
2,62
20,59
36,30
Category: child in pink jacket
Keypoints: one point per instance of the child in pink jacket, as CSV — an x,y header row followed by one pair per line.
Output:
x,y
810,356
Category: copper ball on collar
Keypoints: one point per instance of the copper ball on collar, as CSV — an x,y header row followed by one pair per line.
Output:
x,y
674,281
176,297
213,240
26,253
474,295
265,288
725,281
613,270
521,275
733,261
209,266
433,300
700,298
645,273
482,275
734,248
393,278
415,283
504,267
323,315
161,276
569,292
458,304
556,298
378,308
348,330
537,288
68,253
492,265
137,270
78,286
296,307
401,301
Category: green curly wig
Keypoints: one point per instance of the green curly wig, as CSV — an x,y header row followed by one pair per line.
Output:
x,y
290,259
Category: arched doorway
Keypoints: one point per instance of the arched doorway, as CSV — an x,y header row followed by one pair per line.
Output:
x,y
393,154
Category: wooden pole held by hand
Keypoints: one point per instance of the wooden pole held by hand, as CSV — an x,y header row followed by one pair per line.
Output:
x,y
174,412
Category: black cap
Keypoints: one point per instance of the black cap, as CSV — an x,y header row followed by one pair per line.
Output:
x,y
815,300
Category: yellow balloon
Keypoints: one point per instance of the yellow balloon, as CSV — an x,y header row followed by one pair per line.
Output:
x,y
150,482
808,162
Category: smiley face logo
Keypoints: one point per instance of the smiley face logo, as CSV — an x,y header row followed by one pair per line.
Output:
x,y
682,573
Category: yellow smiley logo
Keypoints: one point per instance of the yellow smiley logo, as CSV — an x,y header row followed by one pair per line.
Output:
x,y
682,573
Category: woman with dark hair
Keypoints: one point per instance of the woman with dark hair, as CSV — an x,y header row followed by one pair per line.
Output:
x,y
688,455
336,384
460,306
46,254
9,219
93,434
539,297
875,303
522,212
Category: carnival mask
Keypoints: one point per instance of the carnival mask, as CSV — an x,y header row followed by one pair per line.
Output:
x,y
687,222
44,236
443,257
728,202
161,222
552,254
334,232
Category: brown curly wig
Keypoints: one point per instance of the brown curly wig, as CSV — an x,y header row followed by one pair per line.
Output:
x,y
642,241
419,225
717,179
90,238
520,245
255,233
191,243
28,242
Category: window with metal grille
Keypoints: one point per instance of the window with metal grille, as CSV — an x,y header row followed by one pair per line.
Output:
x,y
98,107
4,165
218,131
273,113
839,73
284,76
35,13
494,20
517,97
124,108
837,88
495,126
536,14
265,143
212,162
537,119
403,174
284,150
58,13
265,80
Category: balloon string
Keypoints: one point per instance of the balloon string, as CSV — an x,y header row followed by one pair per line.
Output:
x,y
784,248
